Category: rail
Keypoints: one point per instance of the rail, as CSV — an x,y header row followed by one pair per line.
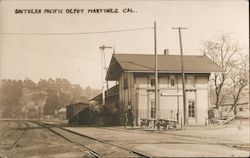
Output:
x,y
109,143
18,138
74,142
92,138
11,131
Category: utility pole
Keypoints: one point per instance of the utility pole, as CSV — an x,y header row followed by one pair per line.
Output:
x,y
156,73
183,77
113,49
103,65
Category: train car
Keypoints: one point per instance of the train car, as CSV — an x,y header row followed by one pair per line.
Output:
x,y
74,109
84,117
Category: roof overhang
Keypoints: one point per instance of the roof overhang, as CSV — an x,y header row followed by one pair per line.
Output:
x,y
140,71
144,63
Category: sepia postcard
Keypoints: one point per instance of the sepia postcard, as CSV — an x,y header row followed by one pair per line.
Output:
x,y
124,78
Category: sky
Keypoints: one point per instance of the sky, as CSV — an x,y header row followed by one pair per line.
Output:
x,y
77,57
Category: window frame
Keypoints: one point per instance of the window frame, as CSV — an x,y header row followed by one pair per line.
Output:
x,y
125,83
152,109
152,79
191,109
172,81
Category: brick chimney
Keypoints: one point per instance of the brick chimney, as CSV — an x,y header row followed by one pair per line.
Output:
x,y
166,51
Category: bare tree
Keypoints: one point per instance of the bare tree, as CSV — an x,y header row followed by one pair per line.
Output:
x,y
238,81
223,52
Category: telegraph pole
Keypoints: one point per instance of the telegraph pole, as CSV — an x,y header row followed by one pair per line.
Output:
x,y
183,77
103,63
156,73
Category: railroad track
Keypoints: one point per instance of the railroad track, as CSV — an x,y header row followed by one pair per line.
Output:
x,y
95,154
96,147
15,143
17,136
11,130
140,154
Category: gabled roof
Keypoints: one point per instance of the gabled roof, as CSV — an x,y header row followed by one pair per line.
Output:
x,y
166,64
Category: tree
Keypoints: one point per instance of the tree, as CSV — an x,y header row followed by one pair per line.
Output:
x,y
77,90
224,52
29,85
64,99
18,95
10,98
238,81
51,105
88,92
62,85
42,85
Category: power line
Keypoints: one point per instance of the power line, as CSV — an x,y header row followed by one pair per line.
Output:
x,y
77,33
42,51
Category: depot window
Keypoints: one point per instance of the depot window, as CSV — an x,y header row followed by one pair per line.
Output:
x,y
191,109
152,82
172,81
153,112
125,86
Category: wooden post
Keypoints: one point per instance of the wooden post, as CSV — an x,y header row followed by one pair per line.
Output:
x,y
181,123
156,74
183,79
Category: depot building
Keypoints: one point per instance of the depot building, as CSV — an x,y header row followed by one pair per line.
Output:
x,y
136,89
